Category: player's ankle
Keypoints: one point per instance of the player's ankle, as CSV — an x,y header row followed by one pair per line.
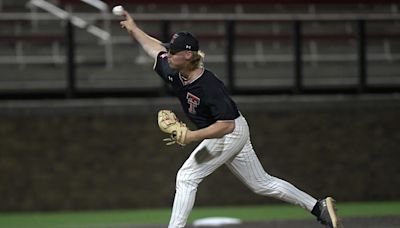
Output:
x,y
316,210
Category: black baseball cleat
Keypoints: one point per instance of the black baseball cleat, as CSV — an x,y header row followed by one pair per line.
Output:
x,y
325,210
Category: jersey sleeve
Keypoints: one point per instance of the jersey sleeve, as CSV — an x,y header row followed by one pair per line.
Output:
x,y
161,66
221,106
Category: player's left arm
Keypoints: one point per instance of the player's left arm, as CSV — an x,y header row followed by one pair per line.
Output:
x,y
216,130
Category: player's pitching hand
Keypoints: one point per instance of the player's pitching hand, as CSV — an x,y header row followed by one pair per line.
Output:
x,y
129,24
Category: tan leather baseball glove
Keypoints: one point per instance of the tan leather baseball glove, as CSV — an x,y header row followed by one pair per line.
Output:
x,y
169,123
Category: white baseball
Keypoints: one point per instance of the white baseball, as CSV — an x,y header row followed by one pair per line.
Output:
x,y
118,10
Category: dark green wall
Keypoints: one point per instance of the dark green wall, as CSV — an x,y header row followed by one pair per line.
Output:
x,y
55,157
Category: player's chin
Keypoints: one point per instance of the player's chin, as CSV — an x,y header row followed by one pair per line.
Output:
x,y
174,66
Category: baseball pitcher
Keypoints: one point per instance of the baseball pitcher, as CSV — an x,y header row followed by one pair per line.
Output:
x,y
222,130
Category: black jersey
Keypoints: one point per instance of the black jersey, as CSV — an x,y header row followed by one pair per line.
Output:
x,y
205,100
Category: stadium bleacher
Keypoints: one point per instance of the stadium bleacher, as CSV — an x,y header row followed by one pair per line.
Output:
x,y
32,44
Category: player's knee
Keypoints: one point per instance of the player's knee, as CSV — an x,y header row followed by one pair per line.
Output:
x,y
187,179
257,188
261,190
261,186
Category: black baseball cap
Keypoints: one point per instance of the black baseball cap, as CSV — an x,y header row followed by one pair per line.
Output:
x,y
182,41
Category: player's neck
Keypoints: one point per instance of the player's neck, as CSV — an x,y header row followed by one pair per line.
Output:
x,y
191,75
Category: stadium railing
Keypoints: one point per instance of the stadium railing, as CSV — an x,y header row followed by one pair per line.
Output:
x,y
225,19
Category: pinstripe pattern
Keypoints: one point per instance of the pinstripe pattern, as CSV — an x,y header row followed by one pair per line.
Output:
x,y
234,150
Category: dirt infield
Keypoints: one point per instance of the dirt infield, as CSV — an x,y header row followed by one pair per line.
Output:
x,y
362,222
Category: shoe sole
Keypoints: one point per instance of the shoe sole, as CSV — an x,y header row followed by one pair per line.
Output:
x,y
330,204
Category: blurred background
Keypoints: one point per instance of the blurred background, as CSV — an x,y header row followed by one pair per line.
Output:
x,y
318,82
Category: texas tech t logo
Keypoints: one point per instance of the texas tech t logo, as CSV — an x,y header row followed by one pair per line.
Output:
x,y
193,102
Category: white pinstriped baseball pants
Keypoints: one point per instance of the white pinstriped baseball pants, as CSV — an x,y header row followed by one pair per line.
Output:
x,y
235,151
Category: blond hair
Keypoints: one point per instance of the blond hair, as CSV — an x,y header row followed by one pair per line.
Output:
x,y
197,60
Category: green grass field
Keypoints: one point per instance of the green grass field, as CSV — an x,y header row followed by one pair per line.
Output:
x,y
107,218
